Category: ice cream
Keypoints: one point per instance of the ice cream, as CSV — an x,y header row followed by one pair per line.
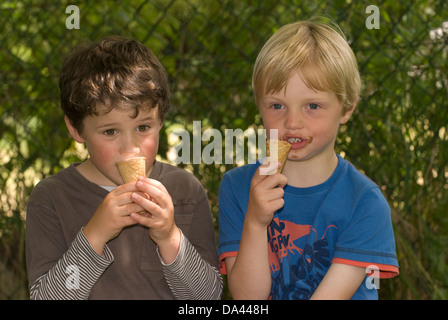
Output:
x,y
277,150
131,169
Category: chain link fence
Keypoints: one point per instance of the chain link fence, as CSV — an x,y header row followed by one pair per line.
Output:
x,y
397,136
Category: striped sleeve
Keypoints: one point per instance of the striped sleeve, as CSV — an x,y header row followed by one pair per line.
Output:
x,y
190,277
74,274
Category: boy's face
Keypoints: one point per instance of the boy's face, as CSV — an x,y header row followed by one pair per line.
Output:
x,y
116,136
307,119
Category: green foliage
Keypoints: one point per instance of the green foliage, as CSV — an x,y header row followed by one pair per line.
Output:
x,y
398,135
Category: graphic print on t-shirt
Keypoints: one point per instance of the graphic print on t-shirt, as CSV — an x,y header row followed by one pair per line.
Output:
x,y
298,259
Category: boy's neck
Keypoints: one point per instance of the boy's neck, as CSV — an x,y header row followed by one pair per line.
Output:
x,y
310,172
91,173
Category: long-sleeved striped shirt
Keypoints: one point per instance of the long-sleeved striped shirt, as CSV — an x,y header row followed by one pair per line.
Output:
x,y
188,276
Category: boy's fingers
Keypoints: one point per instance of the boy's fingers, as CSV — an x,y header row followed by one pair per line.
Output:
x,y
122,194
133,207
152,182
155,190
282,180
277,204
128,221
143,219
269,167
124,188
262,172
272,180
277,193
148,205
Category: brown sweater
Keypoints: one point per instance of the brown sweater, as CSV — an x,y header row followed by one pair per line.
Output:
x,y
130,267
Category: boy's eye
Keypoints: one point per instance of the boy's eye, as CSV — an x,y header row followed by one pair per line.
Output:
x,y
277,106
110,132
313,106
142,128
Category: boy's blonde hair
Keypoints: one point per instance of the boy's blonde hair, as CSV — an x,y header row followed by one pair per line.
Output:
x,y
318,51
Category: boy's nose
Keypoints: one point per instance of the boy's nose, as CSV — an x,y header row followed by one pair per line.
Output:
x,y
294,120
129,146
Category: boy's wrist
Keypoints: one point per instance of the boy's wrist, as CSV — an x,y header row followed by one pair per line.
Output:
x,y
256,222
168,247
95,242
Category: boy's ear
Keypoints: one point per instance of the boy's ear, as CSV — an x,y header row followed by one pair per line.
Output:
x,y
349,113
73,131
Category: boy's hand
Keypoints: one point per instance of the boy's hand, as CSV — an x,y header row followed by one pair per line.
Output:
x,y
111,216
266,195
159,217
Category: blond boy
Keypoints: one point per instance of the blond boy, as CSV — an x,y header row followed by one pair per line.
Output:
x,y
318,229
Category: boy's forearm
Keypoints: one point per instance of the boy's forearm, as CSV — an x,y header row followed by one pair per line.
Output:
x,y
189,276
64,280
340,282
250,276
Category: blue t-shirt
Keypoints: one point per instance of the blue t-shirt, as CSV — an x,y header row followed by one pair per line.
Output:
x,y
345,220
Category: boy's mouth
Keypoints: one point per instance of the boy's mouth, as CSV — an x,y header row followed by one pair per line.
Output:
x,y
294,140
299,142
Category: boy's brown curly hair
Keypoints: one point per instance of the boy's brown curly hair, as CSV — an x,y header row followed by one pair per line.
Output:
x,y
115,72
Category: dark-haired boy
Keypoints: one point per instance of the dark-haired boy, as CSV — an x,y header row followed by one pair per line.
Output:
x,y
84,236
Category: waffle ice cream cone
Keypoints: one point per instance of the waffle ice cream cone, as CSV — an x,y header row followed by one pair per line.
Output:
x,y
277,150
131,169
